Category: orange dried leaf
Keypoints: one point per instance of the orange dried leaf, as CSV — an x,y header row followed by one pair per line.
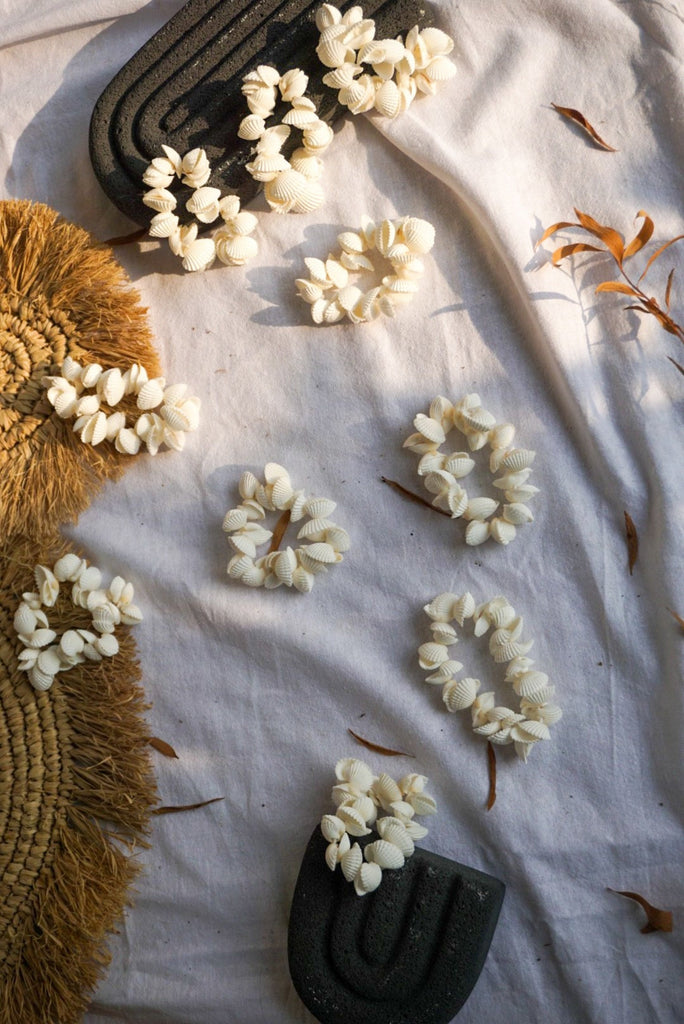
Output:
x,y
556,227
580,119
178,808
616,286
679,619
632,541
613,241
162,746
678,365
413,497
642,237
279,531
657,920
376,748
570,250
668,289
658,252
491,765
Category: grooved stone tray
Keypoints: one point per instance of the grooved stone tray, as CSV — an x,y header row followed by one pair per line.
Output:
x,y
182,88
408,953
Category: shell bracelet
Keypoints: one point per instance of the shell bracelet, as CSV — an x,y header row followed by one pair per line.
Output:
x,y
328,289
231,243
296,567
359,796
41,657
290,186
166,413
500,725
401,68
443,471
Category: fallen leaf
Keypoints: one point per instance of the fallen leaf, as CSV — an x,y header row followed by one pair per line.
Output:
x,y
657,253
668,289
386,751
679,619
613,241
580,119
162,746
632,541
135,236
570,250
641,237
657,920
554,228
279,531
616,286
178,808
414,497
491,764
678,365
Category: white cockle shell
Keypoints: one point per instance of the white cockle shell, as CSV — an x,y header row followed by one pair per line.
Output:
x,y
432,655
332,827
49,661
518,458
384,854
71,643
477,532
460,694
440,608
443,633
234,250
116,421
151,394
419,235
302,580
293,84
234,519
351,861
106,645
385,790
106,617
47,585
530,731
367,879
317,137
25,620
445,672
480,508
531,683
315,557
267,166
111,386
204,203
549,714
517,513
127,442
502,531
160,199
163,224
40,680
284,566
354,821
195,168
394,831
463,608
300,117
69,567
199,255
251,127
430,429
337,538
38,638
388,99
459,464
286,190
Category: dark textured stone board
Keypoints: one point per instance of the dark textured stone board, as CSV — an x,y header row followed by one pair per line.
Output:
x,y
409,953
182,88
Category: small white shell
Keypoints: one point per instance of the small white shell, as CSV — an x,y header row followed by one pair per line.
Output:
x,y
530,683
367,879
71,643
419,235
40,680
518,458
332,828
385,790
163,224
443,633
351,861
477,532
47,585
151,394
49,661
354,821
460,694
502,531
463,608
235,250
24,619
127,442
394,831
440,609
480,508
431,655
385,854
199,255
160,199
531,731
517,513
251,127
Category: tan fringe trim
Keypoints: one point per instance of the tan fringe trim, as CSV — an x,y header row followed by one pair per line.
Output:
x,y
61,293
77,790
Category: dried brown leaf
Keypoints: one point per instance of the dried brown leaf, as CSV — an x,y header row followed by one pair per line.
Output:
x,y
642,236
658,252
679,619
668,289
657,920
613,241
179,808
414,497
632,541
678,365
557,227
616,286
570,250
135,236
162,746
279,531
580,119
491,765
376,748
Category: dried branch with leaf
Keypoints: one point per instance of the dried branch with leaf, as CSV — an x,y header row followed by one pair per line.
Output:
x,y
614,245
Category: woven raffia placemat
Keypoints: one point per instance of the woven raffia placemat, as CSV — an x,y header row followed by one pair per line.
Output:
x,y
76,785
61,293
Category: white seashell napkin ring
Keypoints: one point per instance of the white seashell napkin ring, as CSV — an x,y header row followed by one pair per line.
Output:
x,y
359,797
44,655
231,244
384,75
166,412
442,472
290,567
500,725
329,290
290,186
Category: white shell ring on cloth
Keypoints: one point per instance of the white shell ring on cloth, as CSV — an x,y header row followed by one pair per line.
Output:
x,y
290,186
41,657
358,796
328,289
166,413
500,725
231,243
443,471
401,68
291,567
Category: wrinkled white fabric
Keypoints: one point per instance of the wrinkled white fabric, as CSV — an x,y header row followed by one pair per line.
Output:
x,y
256,690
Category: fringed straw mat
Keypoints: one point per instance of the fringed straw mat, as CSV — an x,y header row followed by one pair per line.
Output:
x,y
61,293
76,790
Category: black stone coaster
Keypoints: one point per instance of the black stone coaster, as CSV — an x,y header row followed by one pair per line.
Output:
x,y
183,89
409,953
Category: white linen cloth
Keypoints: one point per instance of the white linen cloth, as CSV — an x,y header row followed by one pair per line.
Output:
x,y
256,690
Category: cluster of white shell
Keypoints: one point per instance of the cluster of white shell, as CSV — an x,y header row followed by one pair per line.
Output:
x,y
400,68
166,413
42,657
231,243
358,796
291,567
329,291
290,186
443,471
501,725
